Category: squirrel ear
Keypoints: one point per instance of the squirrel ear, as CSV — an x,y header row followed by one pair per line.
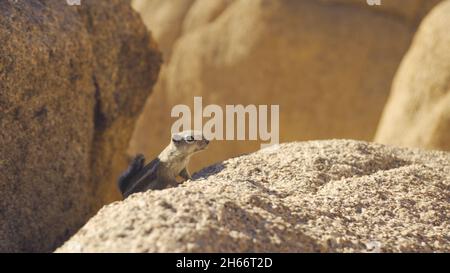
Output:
x,y
176,138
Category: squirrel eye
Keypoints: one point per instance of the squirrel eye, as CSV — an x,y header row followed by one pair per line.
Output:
x,y
189,139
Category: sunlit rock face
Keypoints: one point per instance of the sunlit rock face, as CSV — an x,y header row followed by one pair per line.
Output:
x,y
72,81
317,196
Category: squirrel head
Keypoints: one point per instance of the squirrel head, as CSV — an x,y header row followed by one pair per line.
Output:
x,y
189,142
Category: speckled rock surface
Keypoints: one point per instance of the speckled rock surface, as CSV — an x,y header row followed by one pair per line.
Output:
x,y
72,82
328,196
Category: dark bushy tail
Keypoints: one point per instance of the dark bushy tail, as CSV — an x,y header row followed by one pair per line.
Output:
x,y
134,168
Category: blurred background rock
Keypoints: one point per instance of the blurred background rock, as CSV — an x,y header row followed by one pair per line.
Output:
x,y
418,110
329,64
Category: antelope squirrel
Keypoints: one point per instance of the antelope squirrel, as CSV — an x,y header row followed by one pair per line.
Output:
x,y
161,172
